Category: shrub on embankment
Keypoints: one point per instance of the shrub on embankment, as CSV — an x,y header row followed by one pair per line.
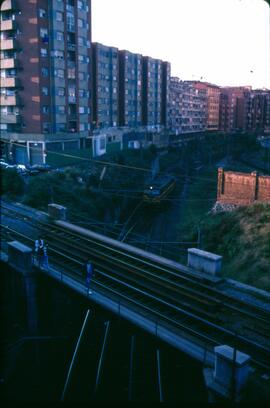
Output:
x,y
242,237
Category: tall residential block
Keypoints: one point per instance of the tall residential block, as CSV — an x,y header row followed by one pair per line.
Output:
x,y
156,79
257,111
130,89
213,97
232,108
45,75
187,107
105,85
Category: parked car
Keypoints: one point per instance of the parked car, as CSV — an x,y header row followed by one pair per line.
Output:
x,y
22,169
41,167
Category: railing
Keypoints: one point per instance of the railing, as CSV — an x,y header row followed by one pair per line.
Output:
x,y
8,25
11,82
10,118
10,100
8,44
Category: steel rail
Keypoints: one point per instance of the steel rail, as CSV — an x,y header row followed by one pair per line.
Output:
x,y
187,289
167,318
218,301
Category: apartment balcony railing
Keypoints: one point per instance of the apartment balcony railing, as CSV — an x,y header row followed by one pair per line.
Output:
x,y
71,28
71,64
10,100
10,119
8,5
71,46
71,99
6,25
8,63
9,82
9,44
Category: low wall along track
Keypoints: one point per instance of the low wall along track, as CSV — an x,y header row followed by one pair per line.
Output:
x,y
184,300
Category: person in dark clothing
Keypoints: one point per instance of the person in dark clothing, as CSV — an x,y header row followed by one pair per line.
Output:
x,y
89,274
39,246
44,257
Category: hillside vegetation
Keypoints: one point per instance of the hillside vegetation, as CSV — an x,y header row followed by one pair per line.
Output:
x,y
242,237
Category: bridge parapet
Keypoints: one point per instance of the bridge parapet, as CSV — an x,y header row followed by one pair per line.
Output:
x,y
204,261
57,212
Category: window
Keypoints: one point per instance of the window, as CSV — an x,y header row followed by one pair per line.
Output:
x,y
59,16
43,52
81,93
44,72
71,73
80,58
80,4
44,90
45,109
60,109
58,54
82,127
60,127
81,41
46,127
59,36
80,23
61,91
81,76
42,13
60,73
81,109
43,32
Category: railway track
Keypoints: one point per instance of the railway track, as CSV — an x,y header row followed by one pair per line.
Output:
x,y
179,298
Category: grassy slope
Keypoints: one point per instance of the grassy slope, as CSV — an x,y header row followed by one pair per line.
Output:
x,y
243,238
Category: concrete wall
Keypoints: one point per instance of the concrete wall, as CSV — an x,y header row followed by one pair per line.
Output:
x,y
242,188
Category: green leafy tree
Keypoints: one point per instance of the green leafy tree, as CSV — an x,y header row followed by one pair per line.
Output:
x,y
12,183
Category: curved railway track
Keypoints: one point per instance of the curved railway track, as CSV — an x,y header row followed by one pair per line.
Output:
x,y
174,296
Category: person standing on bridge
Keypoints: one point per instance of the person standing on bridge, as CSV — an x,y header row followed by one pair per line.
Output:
x,y
89,275
39,245
44,257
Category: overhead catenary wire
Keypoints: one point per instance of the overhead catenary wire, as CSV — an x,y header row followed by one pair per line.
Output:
x,y
195,177
107,163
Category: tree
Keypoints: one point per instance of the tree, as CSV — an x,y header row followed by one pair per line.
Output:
x,y
12,183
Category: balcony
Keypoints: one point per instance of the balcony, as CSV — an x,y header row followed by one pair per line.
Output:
x,y
72,116
6,25
71,99
70,28
8,63
9,82
9,100
8,5
9,44
10,119
71,46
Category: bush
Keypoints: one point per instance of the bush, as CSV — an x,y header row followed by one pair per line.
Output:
x,y
39,192
12,183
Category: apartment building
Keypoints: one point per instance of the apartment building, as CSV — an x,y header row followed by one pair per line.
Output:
x,y
187,107
105,85
156,79
45,76
257,111
232,108
213,96
130,89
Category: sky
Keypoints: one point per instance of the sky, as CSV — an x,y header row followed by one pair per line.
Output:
x,y
219,41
